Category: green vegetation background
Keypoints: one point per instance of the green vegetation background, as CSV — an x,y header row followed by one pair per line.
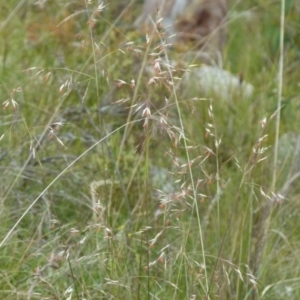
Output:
x,y
95,203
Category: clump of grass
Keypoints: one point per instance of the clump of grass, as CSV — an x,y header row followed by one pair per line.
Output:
x,y
121,181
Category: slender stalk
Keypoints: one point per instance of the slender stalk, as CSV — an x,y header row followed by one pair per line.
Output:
x,y
261,227
279,95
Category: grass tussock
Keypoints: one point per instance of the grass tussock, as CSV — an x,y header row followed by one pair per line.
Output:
x,y
122,178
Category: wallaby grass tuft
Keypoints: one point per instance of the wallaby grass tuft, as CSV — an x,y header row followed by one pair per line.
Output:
x,y
120,181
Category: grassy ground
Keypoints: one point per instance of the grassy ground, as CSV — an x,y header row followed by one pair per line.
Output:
x,y
120,189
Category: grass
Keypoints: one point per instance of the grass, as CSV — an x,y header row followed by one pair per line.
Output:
x,y
146,189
